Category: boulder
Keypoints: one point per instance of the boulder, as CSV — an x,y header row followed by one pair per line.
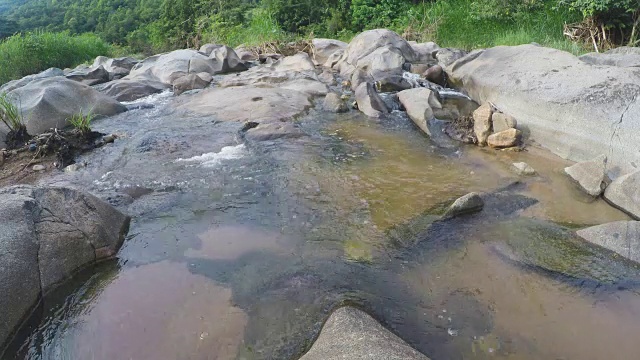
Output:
x,y
333,59
273,130
298,62
382,62
418,103
248,103
130,90
522,168
467,204
482,123
369,102
327,77
324,48
447,56
393,83
48,103
623,56
624,193
89,76
424,51
623,237
189,82
245,54
15,84
435,74
504,139
225,61
501,122
207,49
590,175
333,103
350,333
117,68
47,234
575,116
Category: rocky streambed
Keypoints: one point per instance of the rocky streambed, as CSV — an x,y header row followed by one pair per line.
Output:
x,y
265,192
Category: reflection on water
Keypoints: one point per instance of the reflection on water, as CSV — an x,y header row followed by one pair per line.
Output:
x,y
245,259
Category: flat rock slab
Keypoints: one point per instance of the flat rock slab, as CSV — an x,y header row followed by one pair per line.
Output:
x,y
350,333
624,193
589,174
622,237
248,103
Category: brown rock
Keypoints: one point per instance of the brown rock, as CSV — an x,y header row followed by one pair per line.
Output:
x,y
435,74
506,138
482,123
502,122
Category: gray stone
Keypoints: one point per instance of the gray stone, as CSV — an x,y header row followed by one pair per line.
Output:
x,y
502,122
522,168
333,103
623,237
350,333
590,175
624,193
327,77
435,74
50,102
467,204
89,76
447,56
623,56
424,51
306,86
572,108
207,49
15,84
392,84
38,167
418,102
482,123
274,130
130,90
324,48
46,235
369,102
246,54
189,82
505,139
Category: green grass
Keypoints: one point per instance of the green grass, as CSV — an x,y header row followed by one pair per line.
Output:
x,y
82,122
26,54
10,114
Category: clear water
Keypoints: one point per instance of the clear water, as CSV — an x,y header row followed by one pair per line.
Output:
x,y
240,251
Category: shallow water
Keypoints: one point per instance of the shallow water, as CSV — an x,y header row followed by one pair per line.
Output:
x,y
240,251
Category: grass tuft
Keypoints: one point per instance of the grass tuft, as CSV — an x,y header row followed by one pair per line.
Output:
x,y
82,122
10,115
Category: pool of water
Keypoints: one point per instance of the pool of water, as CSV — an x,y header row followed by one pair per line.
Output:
x,y
241,250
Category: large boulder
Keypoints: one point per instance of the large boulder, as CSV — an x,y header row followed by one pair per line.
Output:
x,y
419,103
207,49
574,109
623,56
350,333
287,69
425,52
191,82
624,193
89,76
622,237
130,90
324,48
15,84
48,103
117,68
46,235
369,102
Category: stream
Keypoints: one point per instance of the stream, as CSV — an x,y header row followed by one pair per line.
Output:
x,y
241,250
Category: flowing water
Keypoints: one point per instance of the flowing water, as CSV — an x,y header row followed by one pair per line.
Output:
x,y
240,251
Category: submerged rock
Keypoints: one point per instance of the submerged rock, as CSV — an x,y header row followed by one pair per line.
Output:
x,y
522,168
47,234
624,193
623,237
590,175
470,203
350,333
333,102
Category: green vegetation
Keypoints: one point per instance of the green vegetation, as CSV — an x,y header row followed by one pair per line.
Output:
x,y
25,54
10,114
81,122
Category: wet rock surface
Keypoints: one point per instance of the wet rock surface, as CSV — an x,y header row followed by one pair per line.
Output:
x,y
623,237
590,175
624,193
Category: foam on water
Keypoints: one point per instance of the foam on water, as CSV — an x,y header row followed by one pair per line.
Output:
x,y
215,158
152,99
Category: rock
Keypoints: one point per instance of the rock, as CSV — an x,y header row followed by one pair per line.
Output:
x,y
576,117
225,61
273,131
504,139
418,103
48,103
502,122
89,76
333,59
424,52
623,237
38,167
189,82
73,167
46,235
435,74
623,56
590,175
130,90
327,77
333,103
523,168
624,193
298,62
392,84
108,139
382,62
246,54
15,84
117,68
369,102
470,203
248,103
419,69
207,49
482,123
457,107
447,56
324,48
350,333
307,86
